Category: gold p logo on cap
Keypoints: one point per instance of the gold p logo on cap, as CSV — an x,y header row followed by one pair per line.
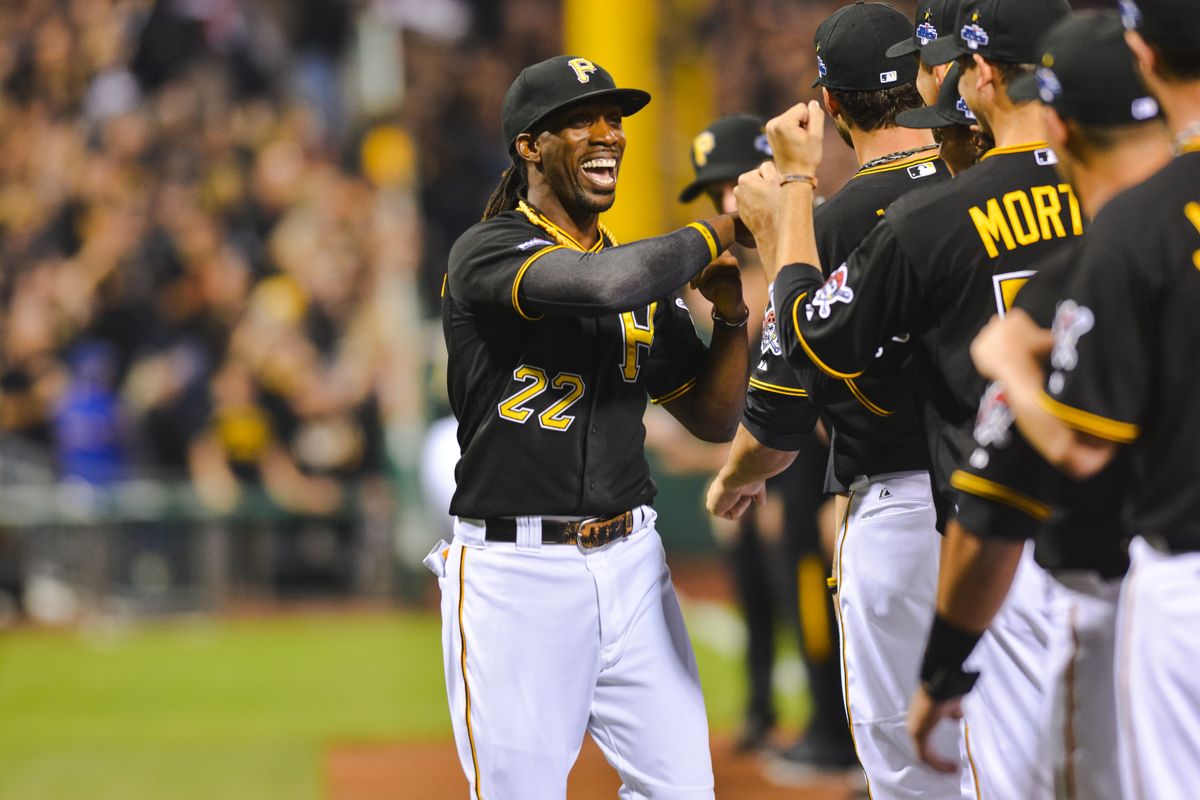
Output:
x,y
702,145
583,69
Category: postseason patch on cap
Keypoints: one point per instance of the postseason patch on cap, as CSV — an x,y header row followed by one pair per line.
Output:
x,y
1049,86
1131,15
1144,108
974,34
926,33
961,107
763,146
822,70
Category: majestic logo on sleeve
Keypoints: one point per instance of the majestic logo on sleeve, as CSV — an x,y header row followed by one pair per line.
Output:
x,y
770,334
523,246
835,290
583,69
1071,322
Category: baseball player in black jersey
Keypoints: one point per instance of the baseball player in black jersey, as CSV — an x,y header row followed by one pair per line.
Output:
x,y
939,264
769,588
946,113
1121,373
885,574
559,616
1108,137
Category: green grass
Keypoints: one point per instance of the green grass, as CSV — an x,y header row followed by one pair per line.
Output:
x,y
230,709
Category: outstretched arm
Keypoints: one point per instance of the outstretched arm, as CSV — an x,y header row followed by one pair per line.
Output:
x,y
743,479
560,280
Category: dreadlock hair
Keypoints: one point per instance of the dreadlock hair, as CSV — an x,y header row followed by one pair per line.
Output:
x,y
514,184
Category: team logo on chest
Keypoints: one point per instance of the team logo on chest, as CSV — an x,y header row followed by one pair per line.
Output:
x,y
770,334
1071,322
834,290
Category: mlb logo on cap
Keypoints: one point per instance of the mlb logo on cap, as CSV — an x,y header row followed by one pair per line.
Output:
x,y
888,77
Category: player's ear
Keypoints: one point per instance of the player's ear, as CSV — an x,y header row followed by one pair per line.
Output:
x,y
1144,55
985,73
832,106
528,148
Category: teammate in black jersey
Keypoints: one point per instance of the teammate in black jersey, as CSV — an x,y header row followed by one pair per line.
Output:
x,y
1121,373
886,572
559,616
937,267
1108,137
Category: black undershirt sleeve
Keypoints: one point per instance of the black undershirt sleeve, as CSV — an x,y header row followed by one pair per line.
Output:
x,y
617,279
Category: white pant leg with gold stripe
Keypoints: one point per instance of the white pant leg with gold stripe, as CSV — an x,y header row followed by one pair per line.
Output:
x,y
1081,702
1005,713
886,565
545,642
1158,675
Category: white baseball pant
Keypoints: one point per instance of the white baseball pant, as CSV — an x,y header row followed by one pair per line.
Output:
x,y
1158,675
886,568
544,642
1005,712
1081,699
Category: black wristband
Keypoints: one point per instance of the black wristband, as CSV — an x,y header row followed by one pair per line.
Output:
x,y
942,671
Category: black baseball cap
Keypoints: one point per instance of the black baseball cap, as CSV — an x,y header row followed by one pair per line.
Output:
x,y
1087,73
727,148
935,18
949,110
1163,22
1000,30
555,83
852,49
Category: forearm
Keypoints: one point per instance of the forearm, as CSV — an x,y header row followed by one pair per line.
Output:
x,y
711,410
795,241
619,279
751,461
1068,450
975,577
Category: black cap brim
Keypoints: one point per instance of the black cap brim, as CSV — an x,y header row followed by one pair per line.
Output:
x,y
941,50
725,172
924,118
631,101
904,48
1024,89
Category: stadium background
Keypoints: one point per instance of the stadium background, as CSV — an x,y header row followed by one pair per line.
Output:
x,y
223,230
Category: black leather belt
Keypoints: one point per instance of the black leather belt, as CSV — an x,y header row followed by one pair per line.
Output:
x,y
587,533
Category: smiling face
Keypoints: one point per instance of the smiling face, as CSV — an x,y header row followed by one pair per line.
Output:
x,y
579,155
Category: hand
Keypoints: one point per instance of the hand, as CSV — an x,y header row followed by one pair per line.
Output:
x,y
924,714
757,195
721,284
797,138
1004,343
730,502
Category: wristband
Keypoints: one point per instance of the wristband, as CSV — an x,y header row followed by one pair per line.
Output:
x,y
811,180
942,671
719,320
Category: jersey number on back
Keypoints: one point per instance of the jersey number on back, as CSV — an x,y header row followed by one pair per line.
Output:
x,y
554,418
638,338
1006,285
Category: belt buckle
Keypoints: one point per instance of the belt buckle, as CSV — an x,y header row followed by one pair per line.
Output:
x,y
585,533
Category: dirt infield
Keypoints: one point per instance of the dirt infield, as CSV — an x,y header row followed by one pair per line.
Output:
x,y
430,771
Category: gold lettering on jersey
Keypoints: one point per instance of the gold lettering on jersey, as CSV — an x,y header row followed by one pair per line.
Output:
x,y
1022,218
513,407
554,418
583,69
638,337
1192,211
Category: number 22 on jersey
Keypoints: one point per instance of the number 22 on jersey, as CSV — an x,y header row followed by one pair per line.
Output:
x,y
553,418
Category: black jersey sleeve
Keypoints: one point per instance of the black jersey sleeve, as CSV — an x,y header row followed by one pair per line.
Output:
x,y
1005,489
676,355
778,411
1101,367
505,262
838,324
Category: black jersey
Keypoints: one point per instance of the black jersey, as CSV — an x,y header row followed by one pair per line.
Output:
x,y
1127,339
874,418
550,407
938,266
1007,490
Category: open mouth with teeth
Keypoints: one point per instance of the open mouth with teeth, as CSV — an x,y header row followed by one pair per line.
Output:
x,y
602,172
